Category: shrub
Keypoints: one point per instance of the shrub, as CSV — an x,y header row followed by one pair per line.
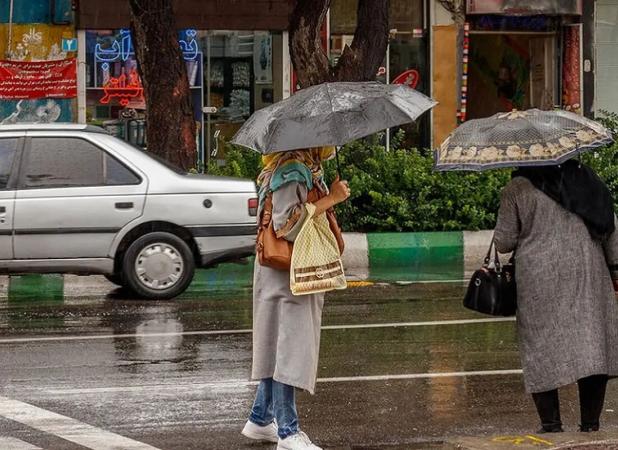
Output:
x,y
398,190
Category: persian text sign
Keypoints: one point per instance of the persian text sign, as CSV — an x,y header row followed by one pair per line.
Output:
x,y
38,79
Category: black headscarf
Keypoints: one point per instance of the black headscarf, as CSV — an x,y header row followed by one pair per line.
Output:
x,y
578,189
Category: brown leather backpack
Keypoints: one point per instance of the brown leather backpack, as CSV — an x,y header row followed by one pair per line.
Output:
x,y
276,252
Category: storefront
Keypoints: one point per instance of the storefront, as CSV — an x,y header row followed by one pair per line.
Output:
x,y
232,71
407,59
520,55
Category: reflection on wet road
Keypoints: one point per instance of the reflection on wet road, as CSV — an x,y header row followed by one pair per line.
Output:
x,y
399,365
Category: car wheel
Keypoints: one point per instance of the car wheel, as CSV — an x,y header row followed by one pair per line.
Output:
x,y
158,266
116,279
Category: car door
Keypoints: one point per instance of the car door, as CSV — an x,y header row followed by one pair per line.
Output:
x,y
10,147
73,198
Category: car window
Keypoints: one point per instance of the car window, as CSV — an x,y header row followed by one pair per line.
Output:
x,y
117,174
8,146
72,162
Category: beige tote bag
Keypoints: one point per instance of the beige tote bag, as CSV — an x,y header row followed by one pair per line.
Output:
x,y
316,261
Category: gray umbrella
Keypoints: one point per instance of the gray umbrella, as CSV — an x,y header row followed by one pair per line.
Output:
x,y
331,114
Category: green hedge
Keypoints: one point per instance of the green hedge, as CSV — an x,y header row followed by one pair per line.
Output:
x,y
398,190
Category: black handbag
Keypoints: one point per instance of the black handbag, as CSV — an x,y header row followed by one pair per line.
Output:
x,y
492,289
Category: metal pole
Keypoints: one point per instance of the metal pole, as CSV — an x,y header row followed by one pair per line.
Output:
x,y
206,160
388,81
10,43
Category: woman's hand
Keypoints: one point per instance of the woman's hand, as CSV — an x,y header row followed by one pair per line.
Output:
x,y
339,191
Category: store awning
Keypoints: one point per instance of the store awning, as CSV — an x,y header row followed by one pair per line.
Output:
x,y
525,7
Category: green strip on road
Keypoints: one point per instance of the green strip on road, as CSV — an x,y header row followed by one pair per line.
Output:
x,y
430,256
36,287
224,276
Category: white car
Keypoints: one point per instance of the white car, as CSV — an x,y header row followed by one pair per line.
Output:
x,y
74,199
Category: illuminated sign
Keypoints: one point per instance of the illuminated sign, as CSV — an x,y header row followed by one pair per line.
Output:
x,y
121,48
122,88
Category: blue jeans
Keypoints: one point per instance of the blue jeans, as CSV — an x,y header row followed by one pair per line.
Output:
x,y
275,400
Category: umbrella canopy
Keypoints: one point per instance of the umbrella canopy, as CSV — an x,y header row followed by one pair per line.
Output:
x,y
331,114
520,138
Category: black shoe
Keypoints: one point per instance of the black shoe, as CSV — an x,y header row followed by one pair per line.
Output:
x,y
552,429
588,428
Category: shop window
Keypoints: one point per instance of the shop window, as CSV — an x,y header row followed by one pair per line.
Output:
x,y
407,53
239,79
114,91
511,71
71,162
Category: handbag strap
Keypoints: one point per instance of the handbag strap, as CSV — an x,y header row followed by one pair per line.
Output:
x,y
496,259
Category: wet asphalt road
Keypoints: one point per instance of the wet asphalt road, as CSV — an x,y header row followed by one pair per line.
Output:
x,y
174,375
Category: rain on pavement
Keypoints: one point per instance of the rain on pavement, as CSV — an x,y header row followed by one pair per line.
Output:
x,y
401,367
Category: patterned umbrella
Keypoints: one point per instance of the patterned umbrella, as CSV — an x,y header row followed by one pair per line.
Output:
x,y
331,114
520,138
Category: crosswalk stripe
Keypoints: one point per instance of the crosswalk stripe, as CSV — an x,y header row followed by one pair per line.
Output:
x,y
66,428
9,443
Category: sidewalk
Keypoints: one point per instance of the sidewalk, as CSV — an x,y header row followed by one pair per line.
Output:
x,y
379,257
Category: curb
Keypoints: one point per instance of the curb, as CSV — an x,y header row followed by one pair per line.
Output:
x,y
385,257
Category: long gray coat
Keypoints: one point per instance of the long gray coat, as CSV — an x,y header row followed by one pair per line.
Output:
x,y
567,317
286,328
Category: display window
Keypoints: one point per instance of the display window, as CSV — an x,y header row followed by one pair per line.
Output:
x,y
230,76
521,62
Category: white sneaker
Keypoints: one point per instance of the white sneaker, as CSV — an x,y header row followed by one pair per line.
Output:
x,y
298,441
266,433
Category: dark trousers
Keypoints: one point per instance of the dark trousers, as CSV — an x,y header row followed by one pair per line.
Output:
x,y
591,399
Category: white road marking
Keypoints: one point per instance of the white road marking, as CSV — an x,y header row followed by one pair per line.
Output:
x,y
67,428
248,330
244,383
9,443
408,282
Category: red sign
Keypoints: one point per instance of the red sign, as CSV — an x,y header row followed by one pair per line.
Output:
x,y
409,78
123,88
38,79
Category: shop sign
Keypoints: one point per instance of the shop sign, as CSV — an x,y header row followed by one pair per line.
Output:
x,y
121,49
525,7
123,88
38,79
410,78
69,45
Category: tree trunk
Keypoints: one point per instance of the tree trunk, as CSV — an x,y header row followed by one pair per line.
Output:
x,y
170,125
359,62
308,57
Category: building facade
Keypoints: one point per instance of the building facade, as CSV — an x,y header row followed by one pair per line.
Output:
x,y
485,57
497,55
34,34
